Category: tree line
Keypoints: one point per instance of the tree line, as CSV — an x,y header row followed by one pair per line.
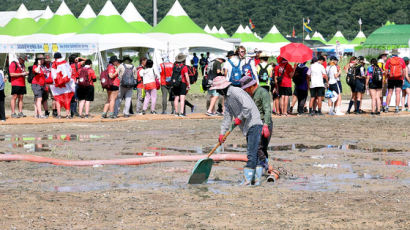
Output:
x,y
327,16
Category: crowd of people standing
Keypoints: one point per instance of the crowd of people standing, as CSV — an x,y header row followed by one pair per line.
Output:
x,y
70,85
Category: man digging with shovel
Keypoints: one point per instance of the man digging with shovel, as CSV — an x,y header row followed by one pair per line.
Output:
x,y
240,107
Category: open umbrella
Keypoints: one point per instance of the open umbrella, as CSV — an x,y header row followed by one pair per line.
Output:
x,y
296,52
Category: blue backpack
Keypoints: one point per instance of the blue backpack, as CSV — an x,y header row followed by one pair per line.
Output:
x,y
236,74
247,70
1,80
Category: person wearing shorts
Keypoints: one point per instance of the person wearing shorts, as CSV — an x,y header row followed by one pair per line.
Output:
x,y
285,71
181,91
359,84
395,79
406,88
333,72
38,85
86,94
375,88
18,75
112,92
316,74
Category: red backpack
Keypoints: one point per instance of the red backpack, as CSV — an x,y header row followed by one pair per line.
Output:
x,y
105,79
193,75
395,67
83,79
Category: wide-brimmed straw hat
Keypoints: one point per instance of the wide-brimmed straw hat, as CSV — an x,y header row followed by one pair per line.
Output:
x,y
247,82
180,58
220,82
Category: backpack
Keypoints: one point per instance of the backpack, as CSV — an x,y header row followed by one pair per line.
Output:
x,y
83,78
127,79
280,78
377,75
167,77
350,76
395,68
31,74
236,74
176,79
193,75
263,74
247,70
298,77
105,79
209,76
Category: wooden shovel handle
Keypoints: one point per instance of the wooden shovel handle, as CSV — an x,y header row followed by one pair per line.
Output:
x,y
219,144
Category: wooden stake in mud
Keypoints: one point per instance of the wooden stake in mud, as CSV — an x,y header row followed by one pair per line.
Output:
x,y
203,167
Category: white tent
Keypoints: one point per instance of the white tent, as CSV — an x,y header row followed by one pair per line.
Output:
x,y
87,16
6,16
118,35
179,31
207,29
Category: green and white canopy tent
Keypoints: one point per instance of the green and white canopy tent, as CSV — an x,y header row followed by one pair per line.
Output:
x,y
249,39
19,26
273,41
245,34
207,29
223,33
307,37
110,31
47,15
134,18
179,31
318,37
359,39
61,26
215,32
338,38
87,16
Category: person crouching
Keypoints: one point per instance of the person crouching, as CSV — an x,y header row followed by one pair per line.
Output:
x,y
240,107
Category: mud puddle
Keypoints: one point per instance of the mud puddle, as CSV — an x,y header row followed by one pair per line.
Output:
x,y
276,148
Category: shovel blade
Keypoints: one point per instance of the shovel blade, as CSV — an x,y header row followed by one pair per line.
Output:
x,y
201,171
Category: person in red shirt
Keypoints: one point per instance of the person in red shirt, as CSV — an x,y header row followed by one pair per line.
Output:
x,y
17,71
166,74
285,72
140,86
396,70
38,85
180,91
76,63
86,94
112,92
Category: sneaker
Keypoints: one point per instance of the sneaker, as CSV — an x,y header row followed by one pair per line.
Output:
x,y
140,113
21,114
372,113
290,110
173,112
58,117
104,115
386,109
305,110
193,109
378,113
397,111
153,112
14,115
112,116
41,117
210,114
164,112
126,115
3,120
319,113
182,115
331,113
82,116
176,114
87,116
55,114
143,112
339,114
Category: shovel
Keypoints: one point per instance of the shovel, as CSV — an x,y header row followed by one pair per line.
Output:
x,y
203,167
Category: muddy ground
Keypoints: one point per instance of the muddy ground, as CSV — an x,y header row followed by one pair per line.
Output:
x,y
343,172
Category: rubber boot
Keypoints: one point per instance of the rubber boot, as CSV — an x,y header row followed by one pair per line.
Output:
x,y
258,175
248,175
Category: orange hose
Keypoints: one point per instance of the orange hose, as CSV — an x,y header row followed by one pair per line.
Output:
x,y
129,161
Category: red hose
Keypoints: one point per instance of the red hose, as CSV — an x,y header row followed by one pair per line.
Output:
x,y
129,161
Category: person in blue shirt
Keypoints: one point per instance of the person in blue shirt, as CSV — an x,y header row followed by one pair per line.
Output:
x,y
196,61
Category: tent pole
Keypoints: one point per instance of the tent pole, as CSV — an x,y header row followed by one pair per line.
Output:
x,y
154,6
303,31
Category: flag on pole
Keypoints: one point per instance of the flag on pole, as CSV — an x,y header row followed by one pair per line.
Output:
x,y
251,25
360,21
306,25
293,33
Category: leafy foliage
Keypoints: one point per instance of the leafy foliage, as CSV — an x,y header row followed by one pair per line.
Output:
x,y
327,16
